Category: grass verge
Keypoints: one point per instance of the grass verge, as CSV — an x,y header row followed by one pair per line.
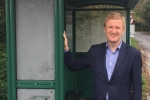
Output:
x,y
134,43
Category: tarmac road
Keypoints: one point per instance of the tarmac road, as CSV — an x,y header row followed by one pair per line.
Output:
x,y
143,39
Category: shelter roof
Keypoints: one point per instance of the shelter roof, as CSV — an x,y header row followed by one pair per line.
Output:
x,y
129,4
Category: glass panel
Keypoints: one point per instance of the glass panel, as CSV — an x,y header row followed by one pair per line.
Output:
x,y
35,39
35,94
89,29
69,28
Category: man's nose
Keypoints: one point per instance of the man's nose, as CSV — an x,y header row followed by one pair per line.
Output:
x,y
114,30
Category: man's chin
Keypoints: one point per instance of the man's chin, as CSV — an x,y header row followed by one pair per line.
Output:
x,y
113,41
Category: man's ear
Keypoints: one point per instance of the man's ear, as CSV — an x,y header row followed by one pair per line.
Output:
x,y
123,30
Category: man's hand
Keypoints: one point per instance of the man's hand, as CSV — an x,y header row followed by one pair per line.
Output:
x,y
65,42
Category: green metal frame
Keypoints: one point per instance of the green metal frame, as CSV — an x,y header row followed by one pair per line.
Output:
x,y
128,26
56,23
13,48
129,4
8,48
36,84
59,54
74,39
13,83
11,61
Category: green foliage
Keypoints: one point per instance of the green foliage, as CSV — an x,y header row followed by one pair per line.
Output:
x,y
134,43
142,15
2,17
3,75
144,87
3,71
143,80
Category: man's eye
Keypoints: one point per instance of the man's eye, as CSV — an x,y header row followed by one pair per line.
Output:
x,y
117,27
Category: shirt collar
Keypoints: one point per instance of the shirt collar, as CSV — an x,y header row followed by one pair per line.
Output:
x,y
119,46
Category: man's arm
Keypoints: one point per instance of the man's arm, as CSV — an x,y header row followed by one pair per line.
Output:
x,y
66,47
136,77
71,62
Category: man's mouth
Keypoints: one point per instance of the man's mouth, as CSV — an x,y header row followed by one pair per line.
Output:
x,y
113,35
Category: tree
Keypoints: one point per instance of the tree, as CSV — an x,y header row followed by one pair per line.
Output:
x,y
142,15
3,73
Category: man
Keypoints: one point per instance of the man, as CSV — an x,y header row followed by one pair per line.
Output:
x,y
116,66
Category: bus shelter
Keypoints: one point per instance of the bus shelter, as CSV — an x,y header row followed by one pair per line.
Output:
x,y
35,55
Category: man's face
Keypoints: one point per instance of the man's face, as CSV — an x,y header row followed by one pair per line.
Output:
x,y
114,30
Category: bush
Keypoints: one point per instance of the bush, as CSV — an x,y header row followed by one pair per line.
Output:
x,y
3,72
